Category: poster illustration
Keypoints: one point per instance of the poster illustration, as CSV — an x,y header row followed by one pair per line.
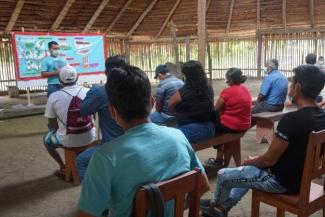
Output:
x,y
85,52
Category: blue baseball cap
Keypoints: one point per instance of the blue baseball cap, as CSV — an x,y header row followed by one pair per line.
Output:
x,y
161,69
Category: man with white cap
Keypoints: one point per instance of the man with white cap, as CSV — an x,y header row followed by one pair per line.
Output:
x,y
68,127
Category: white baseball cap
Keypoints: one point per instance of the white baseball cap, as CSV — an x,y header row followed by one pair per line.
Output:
x,y
68,74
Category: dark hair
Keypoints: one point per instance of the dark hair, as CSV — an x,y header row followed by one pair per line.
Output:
x,y
311,58
273,63
311,79
116,61
129,91
51,43
195,76
235,75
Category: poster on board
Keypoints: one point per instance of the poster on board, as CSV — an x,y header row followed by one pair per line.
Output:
x,y
85,52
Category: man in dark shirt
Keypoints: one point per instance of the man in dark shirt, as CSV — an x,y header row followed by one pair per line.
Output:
x,y
280,168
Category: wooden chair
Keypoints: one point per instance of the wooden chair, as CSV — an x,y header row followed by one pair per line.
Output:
x,y
70,154
312,196
175,188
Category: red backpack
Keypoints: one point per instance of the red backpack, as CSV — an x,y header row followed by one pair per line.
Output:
x,y
76,123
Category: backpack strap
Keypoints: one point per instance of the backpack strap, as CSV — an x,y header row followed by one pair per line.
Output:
x,y
71,94
156,202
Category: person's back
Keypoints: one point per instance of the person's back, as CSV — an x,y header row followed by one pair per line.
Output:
x,y
168,87
58,104
278,88
96,100
236,114
147,153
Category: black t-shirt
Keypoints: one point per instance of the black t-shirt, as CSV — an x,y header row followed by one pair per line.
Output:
x,y
195,106
295,128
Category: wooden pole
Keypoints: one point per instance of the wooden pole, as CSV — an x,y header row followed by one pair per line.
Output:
x,y
175,46
201,31
259,55
95,15
188,48
209,57
14,16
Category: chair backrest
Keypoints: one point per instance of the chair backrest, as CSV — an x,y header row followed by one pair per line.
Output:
x,y
314,166
185,185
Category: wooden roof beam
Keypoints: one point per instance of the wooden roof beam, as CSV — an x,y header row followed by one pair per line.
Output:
x,y
62,15
143,15
126,5
95,15
284,13
311,13
230,16
14,16
168,18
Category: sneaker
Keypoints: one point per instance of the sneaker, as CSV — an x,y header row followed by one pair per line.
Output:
x,y
208,209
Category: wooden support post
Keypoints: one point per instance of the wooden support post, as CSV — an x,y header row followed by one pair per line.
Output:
x,y
201,31
230,16
209,57
284,13
28,97
258,14
188,48
311,13
259,54
126,49
175,46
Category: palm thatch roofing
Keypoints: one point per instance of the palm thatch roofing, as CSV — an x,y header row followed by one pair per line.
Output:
x,y
150,18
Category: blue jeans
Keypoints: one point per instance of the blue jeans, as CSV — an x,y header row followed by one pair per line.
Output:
x,y
51,88
161,118
233,183
83,160
196,132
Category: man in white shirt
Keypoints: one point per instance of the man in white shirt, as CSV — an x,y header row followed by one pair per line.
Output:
x,y
68,127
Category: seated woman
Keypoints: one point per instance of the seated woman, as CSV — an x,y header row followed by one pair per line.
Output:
x,y
234,105
194,104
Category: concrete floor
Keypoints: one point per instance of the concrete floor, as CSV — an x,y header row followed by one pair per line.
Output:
x,y
29,189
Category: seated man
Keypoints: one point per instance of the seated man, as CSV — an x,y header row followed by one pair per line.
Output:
x,y
168,85
97,101
280,168
68,127
273,90
145,153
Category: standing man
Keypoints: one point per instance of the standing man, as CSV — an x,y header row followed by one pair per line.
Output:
x,y
273,91
51,66
168,85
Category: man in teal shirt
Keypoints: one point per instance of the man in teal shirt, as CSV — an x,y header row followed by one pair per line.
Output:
x,y
50,67
145,153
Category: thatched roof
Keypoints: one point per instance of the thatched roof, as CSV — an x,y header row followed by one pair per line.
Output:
x,y
147,17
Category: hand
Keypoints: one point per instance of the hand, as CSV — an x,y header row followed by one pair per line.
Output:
x,y
249,160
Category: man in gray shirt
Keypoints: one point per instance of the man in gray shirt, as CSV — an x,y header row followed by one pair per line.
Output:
x,y
168,85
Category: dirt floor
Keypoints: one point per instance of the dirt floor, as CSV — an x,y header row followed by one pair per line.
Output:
x,y
29,189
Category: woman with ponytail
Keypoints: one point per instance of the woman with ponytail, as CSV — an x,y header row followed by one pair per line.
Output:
x,y
234,106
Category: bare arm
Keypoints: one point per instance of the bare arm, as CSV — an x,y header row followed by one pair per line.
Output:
x,y
220,104
174,100
53,122
271,156
45,74
83,214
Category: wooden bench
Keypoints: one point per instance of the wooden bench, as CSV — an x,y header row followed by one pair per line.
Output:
x,y
231,142
265,123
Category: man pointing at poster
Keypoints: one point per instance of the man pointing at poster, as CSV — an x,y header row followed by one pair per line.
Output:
x,y
51,66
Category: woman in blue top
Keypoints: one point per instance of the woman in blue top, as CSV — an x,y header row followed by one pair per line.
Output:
x,y
194,104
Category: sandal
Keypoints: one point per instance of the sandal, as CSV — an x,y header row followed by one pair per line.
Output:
x,y
60,173
208,209
212,162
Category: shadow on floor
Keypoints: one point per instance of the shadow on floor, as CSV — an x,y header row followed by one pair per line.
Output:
x,y
26,192
21,135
